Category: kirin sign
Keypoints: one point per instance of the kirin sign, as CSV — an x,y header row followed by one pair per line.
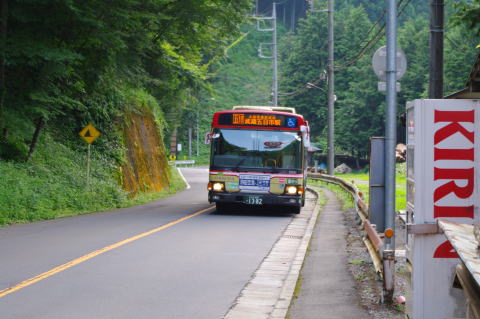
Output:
x,y
441,183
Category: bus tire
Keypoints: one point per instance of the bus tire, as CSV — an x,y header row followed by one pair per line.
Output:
x,y
296,209
221,207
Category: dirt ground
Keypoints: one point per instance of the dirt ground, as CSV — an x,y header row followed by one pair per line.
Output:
x,y
369,285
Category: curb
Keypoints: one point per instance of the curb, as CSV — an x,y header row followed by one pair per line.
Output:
x,y
270,291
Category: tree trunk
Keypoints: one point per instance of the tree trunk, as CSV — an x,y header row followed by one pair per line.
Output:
x,y
3,46
39,124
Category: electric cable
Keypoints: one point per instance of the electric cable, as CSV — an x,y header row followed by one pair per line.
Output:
x,y
374,40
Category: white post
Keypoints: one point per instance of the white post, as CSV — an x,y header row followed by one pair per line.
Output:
x,y
88,165
198,132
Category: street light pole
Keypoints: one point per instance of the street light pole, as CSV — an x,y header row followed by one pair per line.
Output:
x,y
331,99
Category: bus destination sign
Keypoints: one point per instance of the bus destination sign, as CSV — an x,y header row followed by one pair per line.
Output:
x,y
252,119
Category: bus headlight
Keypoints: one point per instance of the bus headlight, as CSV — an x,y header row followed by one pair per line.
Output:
x,y
294,190
218,187
300,190
291,190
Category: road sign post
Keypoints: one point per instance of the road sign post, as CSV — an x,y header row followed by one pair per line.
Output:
x,y
389,64
89,134
88,165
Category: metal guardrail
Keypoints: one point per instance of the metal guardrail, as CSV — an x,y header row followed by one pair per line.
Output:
x,y
464,238
373,240
181,162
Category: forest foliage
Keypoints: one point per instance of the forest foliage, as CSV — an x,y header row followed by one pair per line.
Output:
x,y
359,32
67,63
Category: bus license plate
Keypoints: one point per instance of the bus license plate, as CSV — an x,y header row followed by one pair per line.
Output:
x,y
253,200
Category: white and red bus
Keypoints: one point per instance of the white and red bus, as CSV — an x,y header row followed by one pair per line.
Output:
x,y
258,157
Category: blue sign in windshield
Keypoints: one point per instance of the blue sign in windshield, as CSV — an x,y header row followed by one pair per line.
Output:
x,y
291,122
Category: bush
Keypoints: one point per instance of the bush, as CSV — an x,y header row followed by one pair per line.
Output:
x,y
53,184
13,149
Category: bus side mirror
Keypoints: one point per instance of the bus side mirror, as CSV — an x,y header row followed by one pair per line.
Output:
x,y
208,137
306,135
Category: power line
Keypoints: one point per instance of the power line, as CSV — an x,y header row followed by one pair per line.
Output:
x,y
371,30
374,40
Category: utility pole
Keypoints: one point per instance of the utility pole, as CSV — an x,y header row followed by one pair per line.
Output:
x,y
435,87
273,55
331,95
390,141
275,58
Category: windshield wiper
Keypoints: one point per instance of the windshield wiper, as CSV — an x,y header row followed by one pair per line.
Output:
x,y
237,167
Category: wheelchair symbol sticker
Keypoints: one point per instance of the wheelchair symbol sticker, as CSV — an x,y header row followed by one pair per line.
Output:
x,y
291,122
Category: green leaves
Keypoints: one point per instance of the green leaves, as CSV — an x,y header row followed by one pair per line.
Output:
x,y
69,60
359,109
468,14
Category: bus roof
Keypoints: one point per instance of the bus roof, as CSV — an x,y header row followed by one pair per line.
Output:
x,y
258,119
266,108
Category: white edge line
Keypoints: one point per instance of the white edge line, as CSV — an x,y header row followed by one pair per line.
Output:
x,y
183,177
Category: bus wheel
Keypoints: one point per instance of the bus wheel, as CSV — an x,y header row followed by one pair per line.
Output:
x,y
221,207
296,209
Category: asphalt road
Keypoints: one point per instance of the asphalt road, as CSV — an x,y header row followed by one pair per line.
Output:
x,y
191,268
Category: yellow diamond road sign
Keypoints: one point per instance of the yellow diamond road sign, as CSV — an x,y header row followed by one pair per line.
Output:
x,y
89,133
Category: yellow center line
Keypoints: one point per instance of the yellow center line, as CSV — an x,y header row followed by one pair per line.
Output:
x,y
95,253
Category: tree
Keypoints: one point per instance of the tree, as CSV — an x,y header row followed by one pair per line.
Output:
x,y
357,109
62,55
468,14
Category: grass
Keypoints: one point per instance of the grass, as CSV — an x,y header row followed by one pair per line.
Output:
x,y
343,195
361,180
53,184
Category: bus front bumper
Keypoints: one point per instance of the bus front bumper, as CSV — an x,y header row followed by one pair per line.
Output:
x,y
252,199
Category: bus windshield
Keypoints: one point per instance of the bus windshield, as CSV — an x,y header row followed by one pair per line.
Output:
x,y
258,150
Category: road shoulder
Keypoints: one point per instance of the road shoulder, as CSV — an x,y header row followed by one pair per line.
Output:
x,y
269,293
326,287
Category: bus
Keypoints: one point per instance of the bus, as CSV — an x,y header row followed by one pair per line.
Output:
x,y
258,158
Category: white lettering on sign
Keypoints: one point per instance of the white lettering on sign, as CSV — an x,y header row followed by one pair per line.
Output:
x,y
454,171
